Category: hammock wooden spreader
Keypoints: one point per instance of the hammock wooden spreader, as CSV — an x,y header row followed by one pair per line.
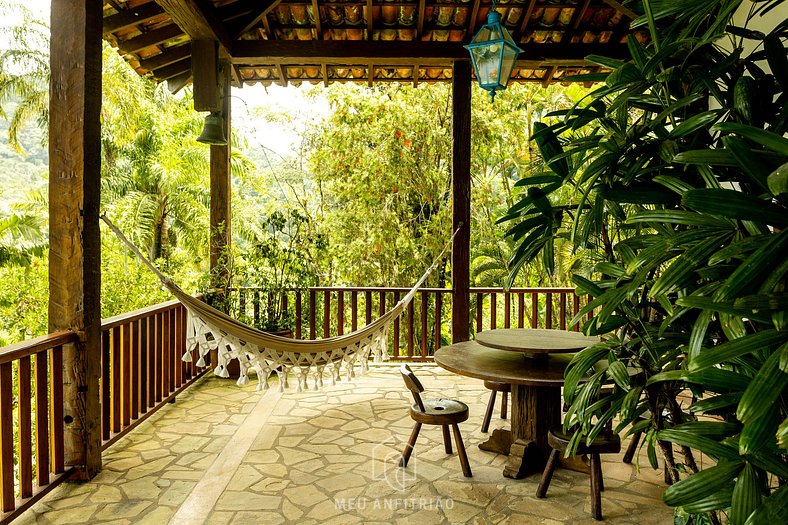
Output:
x,y
211,329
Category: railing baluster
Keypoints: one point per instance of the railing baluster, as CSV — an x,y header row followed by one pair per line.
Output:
x,y
298,319
327,313
165,354
381,311
116,379
312,315
172,350
493,311
368,307
534,309
125,375
106,382
42,420
507,305
438,319
144,340
395,342
135,369
479,311
353,311
425,300
411,326
549,310
25,429
520,310
256,307
241,303
340,312
575,309
57,409
6,437
562,311
159,355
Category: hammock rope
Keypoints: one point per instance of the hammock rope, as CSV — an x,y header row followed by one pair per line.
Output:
x,y
211,329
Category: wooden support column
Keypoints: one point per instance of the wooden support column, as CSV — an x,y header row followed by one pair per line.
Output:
x,y
220,192
74,236
461,200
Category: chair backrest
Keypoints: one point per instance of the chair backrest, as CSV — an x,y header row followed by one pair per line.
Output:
x,y
413,384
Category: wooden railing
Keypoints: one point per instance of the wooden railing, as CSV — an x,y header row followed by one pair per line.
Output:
x,y
141,371
320,312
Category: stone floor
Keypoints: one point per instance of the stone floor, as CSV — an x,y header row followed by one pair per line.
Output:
x,y
224,454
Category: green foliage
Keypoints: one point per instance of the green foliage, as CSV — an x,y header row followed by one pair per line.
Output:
x,y
681,203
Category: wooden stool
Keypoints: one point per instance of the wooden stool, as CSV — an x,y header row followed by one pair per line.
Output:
x,y
443,412
602,444
496,386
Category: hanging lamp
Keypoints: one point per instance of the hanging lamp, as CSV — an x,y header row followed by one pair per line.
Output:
x,y
493,54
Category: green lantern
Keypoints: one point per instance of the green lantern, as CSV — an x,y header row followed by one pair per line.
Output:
x,y
493,54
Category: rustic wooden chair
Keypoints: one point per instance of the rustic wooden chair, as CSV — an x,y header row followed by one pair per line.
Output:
x,y
496,386
443,412
604,443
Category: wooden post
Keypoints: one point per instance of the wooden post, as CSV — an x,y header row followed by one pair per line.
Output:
x,y
220,194
461,200
74,236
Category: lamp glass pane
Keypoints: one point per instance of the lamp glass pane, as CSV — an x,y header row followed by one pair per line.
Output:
x,y
507,64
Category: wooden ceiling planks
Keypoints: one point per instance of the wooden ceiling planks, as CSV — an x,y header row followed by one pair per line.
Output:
x,y
362,40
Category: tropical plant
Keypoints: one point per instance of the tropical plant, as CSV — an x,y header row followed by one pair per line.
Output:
x,y
24,73
676,169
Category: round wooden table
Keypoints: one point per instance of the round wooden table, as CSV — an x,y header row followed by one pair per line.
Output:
x,y
536,399
535,342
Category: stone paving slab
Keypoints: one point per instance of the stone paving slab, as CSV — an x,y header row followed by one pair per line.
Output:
x,y
224,454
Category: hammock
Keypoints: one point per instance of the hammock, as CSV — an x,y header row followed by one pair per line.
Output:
x,y
210,329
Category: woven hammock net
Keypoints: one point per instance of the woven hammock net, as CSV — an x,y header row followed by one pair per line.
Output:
x,y
210,329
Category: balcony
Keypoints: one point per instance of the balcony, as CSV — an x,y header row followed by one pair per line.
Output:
x,y
180,443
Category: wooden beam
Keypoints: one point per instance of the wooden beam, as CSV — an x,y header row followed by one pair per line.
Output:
x,y
169,56
524,22
74,235
369,20
199,20
174,69
282,75
399,53
179,82
371,75
461,200
618,6
548,76
154,38
237,9
205,75
264,7
318,23
131,17
472,20
221,187
415,75
324,73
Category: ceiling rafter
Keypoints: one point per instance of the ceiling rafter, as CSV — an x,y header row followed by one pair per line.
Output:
x,y
282,75
577,17
420,19
472,19
618,6
199,20
318,23
131,17
324,74
369,20
237,9
548,76
526,18
152,38
264,7
166,58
